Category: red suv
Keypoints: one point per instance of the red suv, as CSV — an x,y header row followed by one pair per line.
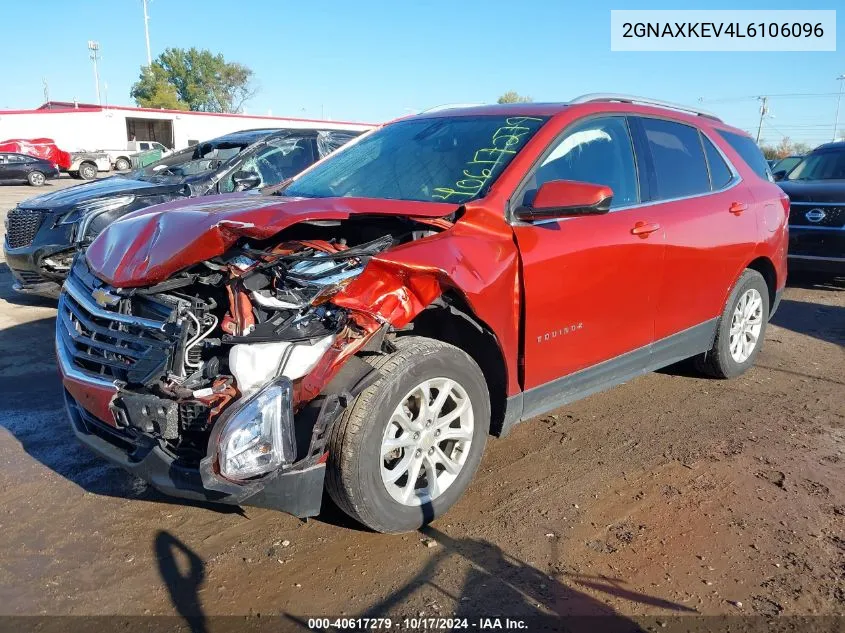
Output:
x,y
365,326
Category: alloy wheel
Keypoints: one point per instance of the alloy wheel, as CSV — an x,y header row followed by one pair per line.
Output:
x,y
746,324
426,442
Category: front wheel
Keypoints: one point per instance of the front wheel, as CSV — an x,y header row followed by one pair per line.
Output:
x,y
741,329
88,171
36,178
406,449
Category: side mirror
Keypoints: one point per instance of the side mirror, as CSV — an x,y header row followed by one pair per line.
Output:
x,y
780,174
566,198
244,180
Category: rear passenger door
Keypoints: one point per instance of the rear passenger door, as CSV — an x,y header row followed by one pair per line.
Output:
x,y
703,207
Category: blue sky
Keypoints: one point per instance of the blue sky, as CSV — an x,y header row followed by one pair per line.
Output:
x,y
373,61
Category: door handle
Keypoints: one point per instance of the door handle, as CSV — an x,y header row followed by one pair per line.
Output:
x,y
737,208
644,229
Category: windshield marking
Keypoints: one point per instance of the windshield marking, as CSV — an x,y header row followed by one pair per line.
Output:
x,y
505,141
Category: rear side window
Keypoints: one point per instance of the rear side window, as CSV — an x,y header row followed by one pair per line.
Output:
x,y
750,153
720,173
677,156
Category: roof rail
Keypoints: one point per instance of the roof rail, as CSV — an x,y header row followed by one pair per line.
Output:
x,y
622,98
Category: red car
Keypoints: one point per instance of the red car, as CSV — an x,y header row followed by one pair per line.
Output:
x,y
365,326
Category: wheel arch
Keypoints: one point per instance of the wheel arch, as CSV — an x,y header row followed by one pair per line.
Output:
x,y
766,268
450,319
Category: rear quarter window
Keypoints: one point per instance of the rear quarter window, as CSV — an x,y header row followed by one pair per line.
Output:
x,y
749,152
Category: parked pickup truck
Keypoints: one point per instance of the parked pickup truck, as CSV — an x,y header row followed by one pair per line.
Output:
x,y
121,159
86,165
366,325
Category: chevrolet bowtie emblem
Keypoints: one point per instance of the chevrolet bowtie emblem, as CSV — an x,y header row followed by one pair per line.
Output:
x,y
104,298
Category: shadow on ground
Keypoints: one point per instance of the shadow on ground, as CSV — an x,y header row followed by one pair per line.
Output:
x,y
824,322
32,410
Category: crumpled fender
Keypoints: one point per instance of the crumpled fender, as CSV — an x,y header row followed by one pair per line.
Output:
x,y
477,257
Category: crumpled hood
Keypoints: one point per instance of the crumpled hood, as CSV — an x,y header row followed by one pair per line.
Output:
x,y
149,245
105,188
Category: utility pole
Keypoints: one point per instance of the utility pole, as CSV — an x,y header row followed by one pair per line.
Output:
x,y
147,32
764,110
46,90
841,80
94,47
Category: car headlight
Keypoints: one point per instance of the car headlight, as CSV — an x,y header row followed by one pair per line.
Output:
x,y
87,211
258,437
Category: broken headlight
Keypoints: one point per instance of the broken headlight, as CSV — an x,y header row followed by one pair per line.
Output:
x,y
258,436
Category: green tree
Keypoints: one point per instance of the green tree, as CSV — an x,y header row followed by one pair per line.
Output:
x,y
513,97
195,80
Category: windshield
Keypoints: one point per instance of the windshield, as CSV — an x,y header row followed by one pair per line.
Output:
x,y
826,165
449,159
786,164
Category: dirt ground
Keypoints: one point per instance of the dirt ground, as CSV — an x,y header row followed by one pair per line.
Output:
x,y
671,494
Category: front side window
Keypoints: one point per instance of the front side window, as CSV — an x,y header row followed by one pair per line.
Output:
x,y
440,159
677,157
822,165
598,151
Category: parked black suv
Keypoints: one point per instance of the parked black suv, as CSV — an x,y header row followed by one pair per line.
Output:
x,y
43,233
816,190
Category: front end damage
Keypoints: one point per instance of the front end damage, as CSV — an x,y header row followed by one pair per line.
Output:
x,y
222,381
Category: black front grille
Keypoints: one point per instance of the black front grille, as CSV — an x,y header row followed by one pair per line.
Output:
x,y
23,224
29,277
820,215
107,344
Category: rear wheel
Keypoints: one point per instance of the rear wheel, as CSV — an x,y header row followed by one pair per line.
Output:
x,y
741,330
122,164
36,178
406,449
88,171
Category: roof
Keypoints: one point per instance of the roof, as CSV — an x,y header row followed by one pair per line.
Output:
x,y
52,107
500,109
833,145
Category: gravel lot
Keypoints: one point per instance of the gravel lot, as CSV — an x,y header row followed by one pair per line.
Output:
x,y
671,494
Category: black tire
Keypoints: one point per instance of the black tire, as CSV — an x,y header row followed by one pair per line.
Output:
x,y
719,362
74,174
88,171
353,477
36,178
122,164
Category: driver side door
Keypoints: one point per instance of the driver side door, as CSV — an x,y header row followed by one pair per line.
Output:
x,y
589,283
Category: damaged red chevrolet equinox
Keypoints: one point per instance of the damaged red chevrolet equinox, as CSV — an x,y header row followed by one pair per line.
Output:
x,y
364,327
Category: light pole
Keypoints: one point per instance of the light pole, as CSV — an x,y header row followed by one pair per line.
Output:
x,y
147,32
764,110
94,47
841,80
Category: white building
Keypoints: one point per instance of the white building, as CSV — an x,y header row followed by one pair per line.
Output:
x,y
91,127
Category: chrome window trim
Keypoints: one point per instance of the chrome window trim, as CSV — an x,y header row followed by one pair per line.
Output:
x,y
735,180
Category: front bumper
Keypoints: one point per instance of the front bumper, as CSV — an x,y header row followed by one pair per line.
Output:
x,y
817,249
297,490
40,267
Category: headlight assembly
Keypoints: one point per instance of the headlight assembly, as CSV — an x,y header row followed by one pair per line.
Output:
x,y
258,437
